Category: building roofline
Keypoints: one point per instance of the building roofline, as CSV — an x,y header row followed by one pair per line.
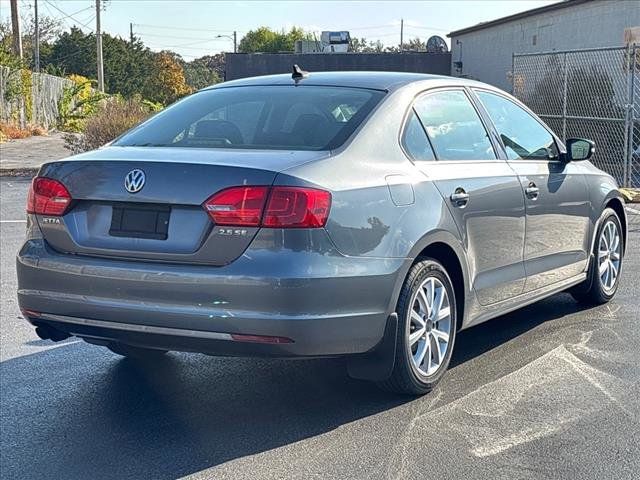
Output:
x,y
517,16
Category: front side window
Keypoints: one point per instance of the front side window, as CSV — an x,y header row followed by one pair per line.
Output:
x,y
258,117
454,127
522,135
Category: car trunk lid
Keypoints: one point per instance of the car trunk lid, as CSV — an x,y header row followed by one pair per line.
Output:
x,y
164,220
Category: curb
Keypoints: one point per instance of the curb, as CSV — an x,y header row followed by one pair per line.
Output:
x,y
19,172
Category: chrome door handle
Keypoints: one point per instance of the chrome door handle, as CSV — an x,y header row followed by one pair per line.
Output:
x,y
459,198
532,191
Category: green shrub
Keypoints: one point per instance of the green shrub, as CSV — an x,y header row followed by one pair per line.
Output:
x,y
78,102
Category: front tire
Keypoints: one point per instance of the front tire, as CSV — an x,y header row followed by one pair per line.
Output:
x,y
606,265
427,318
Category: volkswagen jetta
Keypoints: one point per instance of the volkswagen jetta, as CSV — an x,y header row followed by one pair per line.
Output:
x,y
367,215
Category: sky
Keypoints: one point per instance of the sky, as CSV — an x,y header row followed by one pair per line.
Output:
x,y
191,27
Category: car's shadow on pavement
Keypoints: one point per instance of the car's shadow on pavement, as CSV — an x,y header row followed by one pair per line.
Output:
x,y
77,411
475,341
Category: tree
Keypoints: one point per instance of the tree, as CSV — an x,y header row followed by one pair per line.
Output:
x,y
127,65
73,52
130,67
215,62
361,45
265,40
198,73
414,45
166,84
49,30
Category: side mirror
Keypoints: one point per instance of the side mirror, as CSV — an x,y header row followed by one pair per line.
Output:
x,y
579,149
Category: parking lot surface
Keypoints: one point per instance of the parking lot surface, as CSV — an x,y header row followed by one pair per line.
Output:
x,y
550,391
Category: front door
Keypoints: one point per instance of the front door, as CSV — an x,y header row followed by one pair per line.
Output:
x,y
556,195
481,191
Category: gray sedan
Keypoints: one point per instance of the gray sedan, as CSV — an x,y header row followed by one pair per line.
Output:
x,y
367,215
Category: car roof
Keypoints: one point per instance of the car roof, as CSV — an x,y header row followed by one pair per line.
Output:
x,y
386,81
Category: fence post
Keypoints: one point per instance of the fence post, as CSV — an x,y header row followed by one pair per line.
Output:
x,y
630,118
564,100
626,165
513,73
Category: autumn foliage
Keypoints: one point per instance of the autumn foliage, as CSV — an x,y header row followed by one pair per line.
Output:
x,y
168,79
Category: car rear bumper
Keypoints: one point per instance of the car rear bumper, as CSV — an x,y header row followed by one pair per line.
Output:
x,y
321,302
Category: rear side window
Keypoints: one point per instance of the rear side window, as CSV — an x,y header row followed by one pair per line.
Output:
x,y
454,127
415,141
522,135
258,117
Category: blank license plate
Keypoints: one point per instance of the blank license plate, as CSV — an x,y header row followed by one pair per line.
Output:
x,y
140,221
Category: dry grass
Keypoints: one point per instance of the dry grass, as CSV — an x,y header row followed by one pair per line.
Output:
x,y
38,131
115,117
9,131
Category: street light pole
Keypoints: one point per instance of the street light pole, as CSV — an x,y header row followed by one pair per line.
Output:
x,y
233,37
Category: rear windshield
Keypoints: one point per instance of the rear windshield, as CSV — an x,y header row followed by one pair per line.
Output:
x,y
258,117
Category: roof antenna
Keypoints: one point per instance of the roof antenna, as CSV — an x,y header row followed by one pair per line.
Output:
x,y
298,74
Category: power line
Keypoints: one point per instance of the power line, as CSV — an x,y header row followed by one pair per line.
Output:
x,y
169,36
164,27
374,27
186,45
163,46
66,15
75,13
427,28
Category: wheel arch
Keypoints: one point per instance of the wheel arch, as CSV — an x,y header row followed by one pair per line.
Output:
x,y
617,205
447,249
444,254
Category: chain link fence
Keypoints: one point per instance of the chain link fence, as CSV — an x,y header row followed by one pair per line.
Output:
x,y
593,94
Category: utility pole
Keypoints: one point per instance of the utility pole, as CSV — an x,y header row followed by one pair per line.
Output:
x,y
401,34
131,33
37,49
99,48
15,25
235,42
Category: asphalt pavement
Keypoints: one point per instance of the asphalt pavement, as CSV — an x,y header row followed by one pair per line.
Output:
x,y
550,391
26,155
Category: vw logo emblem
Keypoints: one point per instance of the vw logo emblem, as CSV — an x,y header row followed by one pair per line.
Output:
x,y
134,181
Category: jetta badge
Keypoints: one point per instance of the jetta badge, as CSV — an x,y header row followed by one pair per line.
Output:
x,y
134,181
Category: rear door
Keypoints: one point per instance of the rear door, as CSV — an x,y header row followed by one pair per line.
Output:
x,y
482,192
556,195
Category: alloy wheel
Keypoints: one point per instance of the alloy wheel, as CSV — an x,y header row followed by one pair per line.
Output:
x,y
429,326
609,256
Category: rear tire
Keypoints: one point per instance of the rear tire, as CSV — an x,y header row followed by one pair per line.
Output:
x,y
606,265
427,319
135,353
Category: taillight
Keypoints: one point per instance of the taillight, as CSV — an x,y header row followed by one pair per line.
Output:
x,y
237,206
297,207
272,207
47,197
